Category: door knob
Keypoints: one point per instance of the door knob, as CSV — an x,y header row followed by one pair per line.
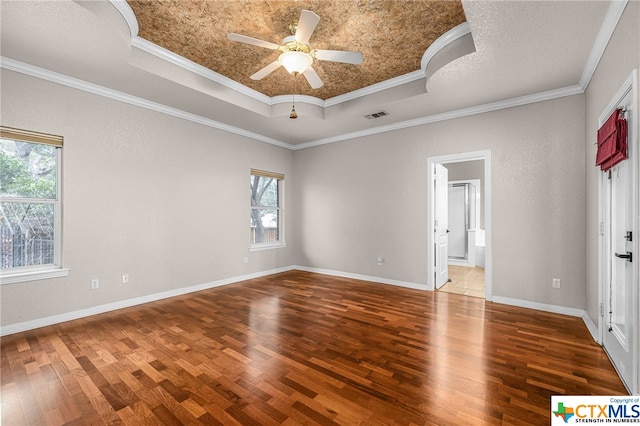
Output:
x,y
627,256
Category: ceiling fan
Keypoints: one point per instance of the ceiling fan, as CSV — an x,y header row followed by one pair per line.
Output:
x,y
297,55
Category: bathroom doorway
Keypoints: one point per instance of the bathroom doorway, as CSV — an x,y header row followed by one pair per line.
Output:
x,y
469,224
466,246
465,198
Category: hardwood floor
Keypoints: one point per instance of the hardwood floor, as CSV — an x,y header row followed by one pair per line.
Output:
x,y
301,348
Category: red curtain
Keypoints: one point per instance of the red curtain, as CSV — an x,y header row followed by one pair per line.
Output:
x,y
612,141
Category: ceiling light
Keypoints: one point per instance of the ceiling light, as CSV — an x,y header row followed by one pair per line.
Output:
x,y
295,62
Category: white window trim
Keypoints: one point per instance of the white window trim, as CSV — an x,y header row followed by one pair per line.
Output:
x,y
55,269
281,220
33,275
266,246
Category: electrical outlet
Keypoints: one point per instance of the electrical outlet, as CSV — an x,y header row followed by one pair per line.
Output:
x,y
556,283
246,260
379,261
125,278
95,284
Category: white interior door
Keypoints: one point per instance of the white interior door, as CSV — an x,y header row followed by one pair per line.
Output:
x,y
619,254
441,190
620,327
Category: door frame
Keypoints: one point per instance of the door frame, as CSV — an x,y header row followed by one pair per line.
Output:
x,y
630,85
458,158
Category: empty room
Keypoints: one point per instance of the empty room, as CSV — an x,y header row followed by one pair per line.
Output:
x,y
286,212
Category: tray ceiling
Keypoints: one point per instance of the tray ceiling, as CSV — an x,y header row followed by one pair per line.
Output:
x,y
392,36
526,51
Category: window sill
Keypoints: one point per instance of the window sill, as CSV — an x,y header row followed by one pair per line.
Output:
x,y
41,274
267,246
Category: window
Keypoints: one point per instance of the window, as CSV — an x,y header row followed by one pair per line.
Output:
x,y
266,210
30,211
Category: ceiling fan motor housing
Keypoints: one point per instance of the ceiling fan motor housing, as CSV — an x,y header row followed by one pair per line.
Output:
x,y
289,44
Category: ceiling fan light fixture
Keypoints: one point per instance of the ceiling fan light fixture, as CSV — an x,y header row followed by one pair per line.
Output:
x,y
295,62
297,55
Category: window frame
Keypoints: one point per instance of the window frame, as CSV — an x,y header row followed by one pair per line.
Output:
x,y
279,177
50,270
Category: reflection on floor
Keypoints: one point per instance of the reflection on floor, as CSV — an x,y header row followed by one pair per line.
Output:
x,y
465,280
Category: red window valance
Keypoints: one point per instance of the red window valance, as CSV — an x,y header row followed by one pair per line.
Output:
x,y
612,141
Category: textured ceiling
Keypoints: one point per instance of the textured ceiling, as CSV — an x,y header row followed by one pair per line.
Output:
x,y
392,36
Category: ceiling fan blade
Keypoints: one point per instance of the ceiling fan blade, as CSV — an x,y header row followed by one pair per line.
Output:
x,y
339,56
254,41
313,78
266,71
306,24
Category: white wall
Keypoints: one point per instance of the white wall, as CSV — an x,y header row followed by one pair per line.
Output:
x,y
160,198
622,55
364,198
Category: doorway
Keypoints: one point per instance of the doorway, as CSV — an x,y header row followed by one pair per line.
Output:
x,y
465,205
617,256
435,218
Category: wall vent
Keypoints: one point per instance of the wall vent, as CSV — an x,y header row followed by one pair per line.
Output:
x,y
376,115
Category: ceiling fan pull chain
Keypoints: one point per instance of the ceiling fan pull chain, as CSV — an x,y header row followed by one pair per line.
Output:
x,y
294,114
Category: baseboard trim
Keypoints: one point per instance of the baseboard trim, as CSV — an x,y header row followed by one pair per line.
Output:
x,y
406,284
592,327
556,309
95,310
82,313
464,263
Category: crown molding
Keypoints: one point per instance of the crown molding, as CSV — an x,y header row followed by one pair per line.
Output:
x,y
452,45
441,42
127,13
607,28
609,24
54,77
286,99
450,115
375,88
182,62
167,55
153,49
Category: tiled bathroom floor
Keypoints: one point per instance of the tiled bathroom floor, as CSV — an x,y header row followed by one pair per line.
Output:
x,y
465,280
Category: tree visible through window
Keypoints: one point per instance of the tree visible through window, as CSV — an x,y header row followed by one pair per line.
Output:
x,y
265,207
29,200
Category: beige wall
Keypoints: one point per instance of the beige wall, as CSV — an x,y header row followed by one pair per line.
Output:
x,y
364,198
621,57
160,198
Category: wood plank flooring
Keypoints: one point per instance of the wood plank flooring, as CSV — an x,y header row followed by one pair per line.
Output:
x,y
299,348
